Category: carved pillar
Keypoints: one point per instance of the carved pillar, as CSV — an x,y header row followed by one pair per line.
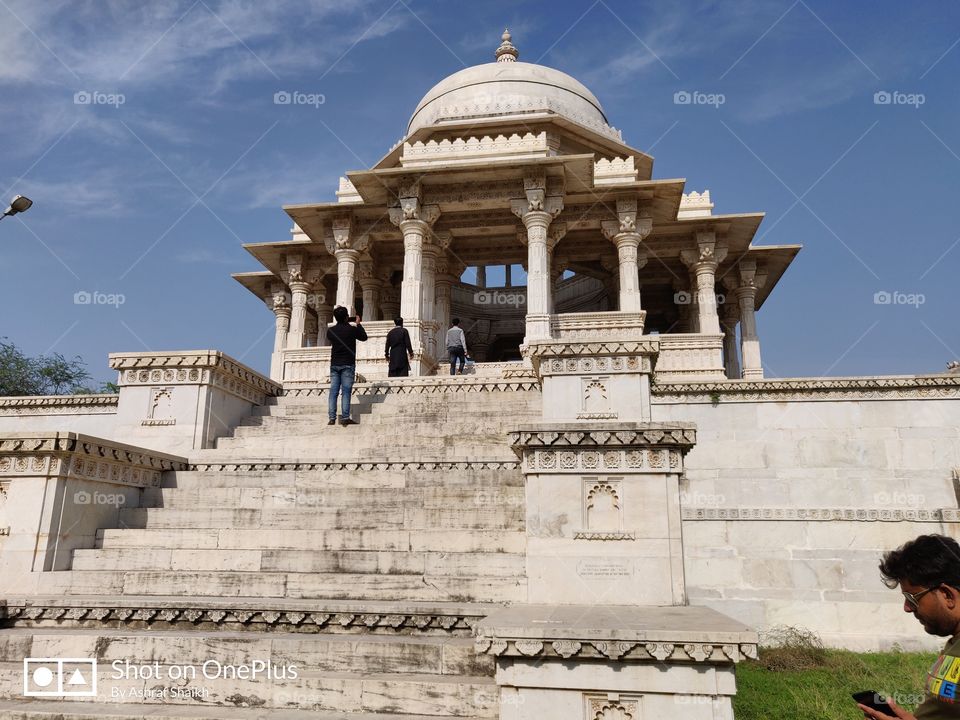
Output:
x,y
296,335
731,353
390,302
481,276
704,261
627,233
537,211
414,220
507,275
324,311
281,309
750,281
612,283
449,269
370,287
345,245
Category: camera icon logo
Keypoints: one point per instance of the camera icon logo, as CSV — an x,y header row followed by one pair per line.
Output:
x,y
82,497
82,298
882,97
682,298
60,677
882,298
82,98
282,98
682,97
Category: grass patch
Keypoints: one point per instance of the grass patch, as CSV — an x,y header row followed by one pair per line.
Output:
x,y
798,679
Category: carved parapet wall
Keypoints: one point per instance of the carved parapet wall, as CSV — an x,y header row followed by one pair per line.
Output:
x,y
694,204
690,356
82,413
614,172
59,488
180,401
597,662
603,510
475,149
922,387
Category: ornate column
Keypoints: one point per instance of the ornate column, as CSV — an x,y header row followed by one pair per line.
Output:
x,y
414,220
370,287
296,335
281,309
324,311
507,275
449,270
345,245
750,281
389,302
731,353
537,211
481,276
627,232
704,261
612,283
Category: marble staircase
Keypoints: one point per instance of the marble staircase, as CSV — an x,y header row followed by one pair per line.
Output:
x,y
364,555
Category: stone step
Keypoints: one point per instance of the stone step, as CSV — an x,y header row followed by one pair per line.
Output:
x,y
465,541
42,710
368,498
433,588
396,516
345,561
316,652
344,475
371,446
140,613
420,694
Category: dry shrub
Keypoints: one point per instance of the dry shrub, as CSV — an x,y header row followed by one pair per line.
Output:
x,y
785,648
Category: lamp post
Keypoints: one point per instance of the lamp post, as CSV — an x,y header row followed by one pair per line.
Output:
x,y
18,205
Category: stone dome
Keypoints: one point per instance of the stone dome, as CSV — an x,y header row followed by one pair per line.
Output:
x,y
505,88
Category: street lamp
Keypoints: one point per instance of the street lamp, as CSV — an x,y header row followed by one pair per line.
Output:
x,y
18,205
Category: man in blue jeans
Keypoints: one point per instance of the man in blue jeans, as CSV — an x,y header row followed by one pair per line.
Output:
x,y
343,338
456,346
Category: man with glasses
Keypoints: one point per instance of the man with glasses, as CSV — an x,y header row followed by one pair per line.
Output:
x,y
927,570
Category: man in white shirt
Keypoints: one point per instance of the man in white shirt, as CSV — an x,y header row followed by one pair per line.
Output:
x,y
456,346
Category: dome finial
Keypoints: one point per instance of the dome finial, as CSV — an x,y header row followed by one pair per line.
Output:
x,y
507,52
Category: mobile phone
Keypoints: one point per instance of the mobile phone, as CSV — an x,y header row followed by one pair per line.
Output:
x,y
874,700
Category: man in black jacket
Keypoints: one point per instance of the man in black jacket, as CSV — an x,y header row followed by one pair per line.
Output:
x,y
343,362
398,350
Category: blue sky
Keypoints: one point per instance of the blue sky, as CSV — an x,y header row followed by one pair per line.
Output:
x,y
150,198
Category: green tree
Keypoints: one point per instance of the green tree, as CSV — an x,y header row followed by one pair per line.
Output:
x,y
43,375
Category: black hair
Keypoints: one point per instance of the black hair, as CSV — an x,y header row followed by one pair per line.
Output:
x,y
925,561
455,321
398,321
340,314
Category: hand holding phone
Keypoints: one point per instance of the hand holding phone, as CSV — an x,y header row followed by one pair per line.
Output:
x,y
874,700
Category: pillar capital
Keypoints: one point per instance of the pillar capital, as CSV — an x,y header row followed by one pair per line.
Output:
x,y
706,255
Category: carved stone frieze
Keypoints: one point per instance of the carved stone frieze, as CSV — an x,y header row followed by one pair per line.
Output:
x,y
944,515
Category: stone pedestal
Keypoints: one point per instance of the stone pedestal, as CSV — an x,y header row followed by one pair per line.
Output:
x,y
614,662
603,511
182,401
59,489
596,366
